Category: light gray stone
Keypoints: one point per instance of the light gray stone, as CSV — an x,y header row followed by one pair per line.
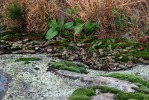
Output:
x,y
100,80
103,96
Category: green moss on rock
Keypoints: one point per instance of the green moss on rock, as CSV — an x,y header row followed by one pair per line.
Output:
x,y
141,93
82,94
127,96
69,66
27,59
130,78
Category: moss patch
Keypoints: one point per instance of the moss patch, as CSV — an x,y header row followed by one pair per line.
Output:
x,y
27,62
69,66
141,93
27,59
82,94
130,78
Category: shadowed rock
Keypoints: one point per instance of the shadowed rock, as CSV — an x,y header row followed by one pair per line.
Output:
x,y
4,80
4,48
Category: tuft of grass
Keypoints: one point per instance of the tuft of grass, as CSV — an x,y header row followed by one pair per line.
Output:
x,y
27,59
69,66
14,11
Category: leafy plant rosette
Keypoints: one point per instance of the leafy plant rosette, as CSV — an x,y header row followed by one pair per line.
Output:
x,y
76,25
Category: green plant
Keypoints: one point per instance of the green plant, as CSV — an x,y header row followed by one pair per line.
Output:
x,y
89,27
121,21
69,66
61,27
14,11
56,27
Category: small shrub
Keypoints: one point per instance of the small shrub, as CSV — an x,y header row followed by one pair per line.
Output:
x,y
121,21
14,11
16,16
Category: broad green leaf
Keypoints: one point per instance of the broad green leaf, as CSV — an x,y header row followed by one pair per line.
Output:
x,y
68,25
89,27
51,33
78,28
76,20
54,24
68,11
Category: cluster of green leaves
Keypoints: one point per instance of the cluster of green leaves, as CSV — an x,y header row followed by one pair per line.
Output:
x,y
14,11
76,25
69,66
121,21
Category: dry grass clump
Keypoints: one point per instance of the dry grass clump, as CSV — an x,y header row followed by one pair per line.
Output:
x,y
36,12
102,11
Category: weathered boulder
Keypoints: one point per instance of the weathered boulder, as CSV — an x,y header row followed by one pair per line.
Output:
x,y
99,80
4,48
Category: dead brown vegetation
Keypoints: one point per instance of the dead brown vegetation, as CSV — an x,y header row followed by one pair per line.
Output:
x,y
97,10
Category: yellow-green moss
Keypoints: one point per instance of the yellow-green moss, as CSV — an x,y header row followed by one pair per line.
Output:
x,y
69,66
142,92
27,59
82,94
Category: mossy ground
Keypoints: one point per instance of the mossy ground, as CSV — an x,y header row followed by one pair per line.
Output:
x,y
27,60
125,48
69,66
92,45
82,94
141,93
